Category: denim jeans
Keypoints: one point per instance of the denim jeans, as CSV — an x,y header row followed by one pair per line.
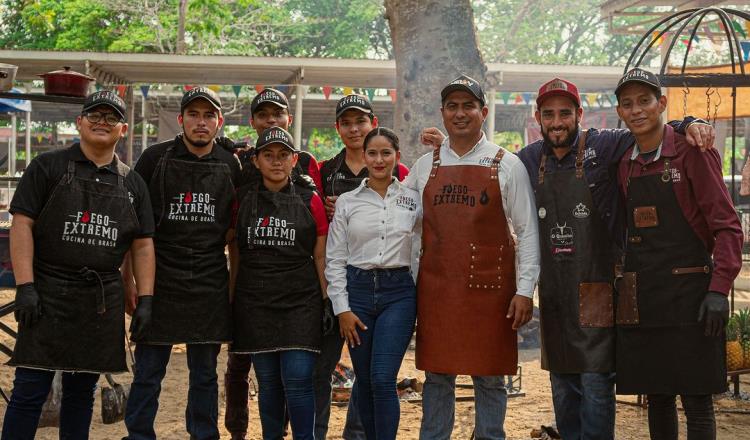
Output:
x,y
330,354
202,411
584,405
385,301
236,388
439,407
285,378
30,390
699,412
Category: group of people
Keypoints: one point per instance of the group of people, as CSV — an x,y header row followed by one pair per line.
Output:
x,y
630,236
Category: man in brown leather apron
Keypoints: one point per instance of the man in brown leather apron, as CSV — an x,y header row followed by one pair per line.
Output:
x,y
469,305
76,213
683,252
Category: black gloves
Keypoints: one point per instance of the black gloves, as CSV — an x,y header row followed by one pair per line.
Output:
x,y
225,143
715,308
141,321
329,319
28,307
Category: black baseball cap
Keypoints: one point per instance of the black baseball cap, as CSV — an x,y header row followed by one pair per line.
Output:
x,y
640,76
353,102
269,95
466,84
200,92
105,97
275,135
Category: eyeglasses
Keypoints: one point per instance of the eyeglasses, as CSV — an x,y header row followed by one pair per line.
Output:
x,y
96,117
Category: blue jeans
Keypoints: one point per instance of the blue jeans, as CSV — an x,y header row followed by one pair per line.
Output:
x,y
584,405
202,412
330,354
439,407
385,301
285,378
30,390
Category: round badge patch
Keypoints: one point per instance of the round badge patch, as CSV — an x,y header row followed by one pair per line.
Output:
x,y
542,212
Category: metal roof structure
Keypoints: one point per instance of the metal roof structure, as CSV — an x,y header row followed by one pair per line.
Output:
x,y
649,12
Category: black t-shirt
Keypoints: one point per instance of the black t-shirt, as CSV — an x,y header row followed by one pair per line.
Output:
x,y
146,165
45,171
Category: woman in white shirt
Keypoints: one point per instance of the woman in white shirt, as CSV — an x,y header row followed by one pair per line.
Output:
x,y
368,259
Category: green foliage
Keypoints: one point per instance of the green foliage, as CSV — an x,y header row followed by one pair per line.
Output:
x,y
511,140
324,143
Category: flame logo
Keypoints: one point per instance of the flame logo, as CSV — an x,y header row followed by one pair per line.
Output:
x,y
484,199
266,221
86,217
188,197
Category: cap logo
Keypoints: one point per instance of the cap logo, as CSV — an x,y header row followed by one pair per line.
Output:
x,y
633,74
556,85
267,95
353,99
276,134
464,82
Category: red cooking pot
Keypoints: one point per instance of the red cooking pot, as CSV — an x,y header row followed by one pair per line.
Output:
x,y
66,82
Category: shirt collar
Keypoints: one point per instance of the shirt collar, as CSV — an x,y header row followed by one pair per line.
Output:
x,y
666,148
76,154
447,145
395,184
180,149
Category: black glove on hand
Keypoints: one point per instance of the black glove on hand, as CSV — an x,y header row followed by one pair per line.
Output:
x,y
225,143
28,307
715,308
141,321
329,319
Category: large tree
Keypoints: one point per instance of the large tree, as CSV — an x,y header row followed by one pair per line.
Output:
x,y
434,41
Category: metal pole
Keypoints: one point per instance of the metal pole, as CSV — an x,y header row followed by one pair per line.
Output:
x,y
28,139
490,127
298,115
144,124
12,149
131,127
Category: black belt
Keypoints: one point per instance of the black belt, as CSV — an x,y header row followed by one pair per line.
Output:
x,y
385,271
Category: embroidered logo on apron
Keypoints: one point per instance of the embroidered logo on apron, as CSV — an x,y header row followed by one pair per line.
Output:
x,y
272,231
562,238
192,207
455,195
581,211
90,228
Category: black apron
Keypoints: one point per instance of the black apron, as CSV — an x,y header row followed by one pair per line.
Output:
x,y
80,239
191,293
575,284
661,348
277,303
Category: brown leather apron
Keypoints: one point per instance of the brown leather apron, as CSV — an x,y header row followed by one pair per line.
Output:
x,y
467,274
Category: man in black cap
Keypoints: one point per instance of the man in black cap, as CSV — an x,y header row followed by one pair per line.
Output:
x,y
192,182
76,213
269,108
683,251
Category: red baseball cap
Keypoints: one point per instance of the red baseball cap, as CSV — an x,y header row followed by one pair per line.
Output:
x,y
558,87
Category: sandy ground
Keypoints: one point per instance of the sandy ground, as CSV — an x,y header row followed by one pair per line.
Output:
x,y
524,413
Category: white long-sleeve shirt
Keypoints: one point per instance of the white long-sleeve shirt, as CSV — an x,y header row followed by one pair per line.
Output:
x,y
518,201
370,232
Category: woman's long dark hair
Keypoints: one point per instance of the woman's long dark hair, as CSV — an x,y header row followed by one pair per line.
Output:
x,y
381,131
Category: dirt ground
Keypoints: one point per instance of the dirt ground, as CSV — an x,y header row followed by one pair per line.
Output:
x,y
524,413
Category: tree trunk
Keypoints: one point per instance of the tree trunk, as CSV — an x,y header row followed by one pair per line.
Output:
x,y
181,27
434,41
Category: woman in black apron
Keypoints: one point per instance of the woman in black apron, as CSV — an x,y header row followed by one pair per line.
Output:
x,y
281,230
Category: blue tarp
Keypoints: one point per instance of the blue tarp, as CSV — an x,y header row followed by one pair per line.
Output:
x,y
14,105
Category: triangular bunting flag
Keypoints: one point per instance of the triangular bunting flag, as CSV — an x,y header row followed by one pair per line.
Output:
x,y
519,98
188,88
656,38
504,97
348,91
739,29
98,87
144,90
327,91
121,89
215,88
370,93
526,97
259,88
392,92
590,98
237,90
745,45
283,89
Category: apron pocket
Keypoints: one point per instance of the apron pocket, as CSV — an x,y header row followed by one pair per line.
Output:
x,y
595,305
486,266
627,299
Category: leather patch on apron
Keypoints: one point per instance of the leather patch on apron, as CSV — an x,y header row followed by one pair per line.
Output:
x,y
485,266
645,217
627,299
595,305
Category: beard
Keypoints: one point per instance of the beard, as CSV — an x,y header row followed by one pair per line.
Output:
x,y
197,142
566,142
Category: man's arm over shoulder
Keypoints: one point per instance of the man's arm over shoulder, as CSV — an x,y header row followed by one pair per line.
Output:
x,y
149,159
